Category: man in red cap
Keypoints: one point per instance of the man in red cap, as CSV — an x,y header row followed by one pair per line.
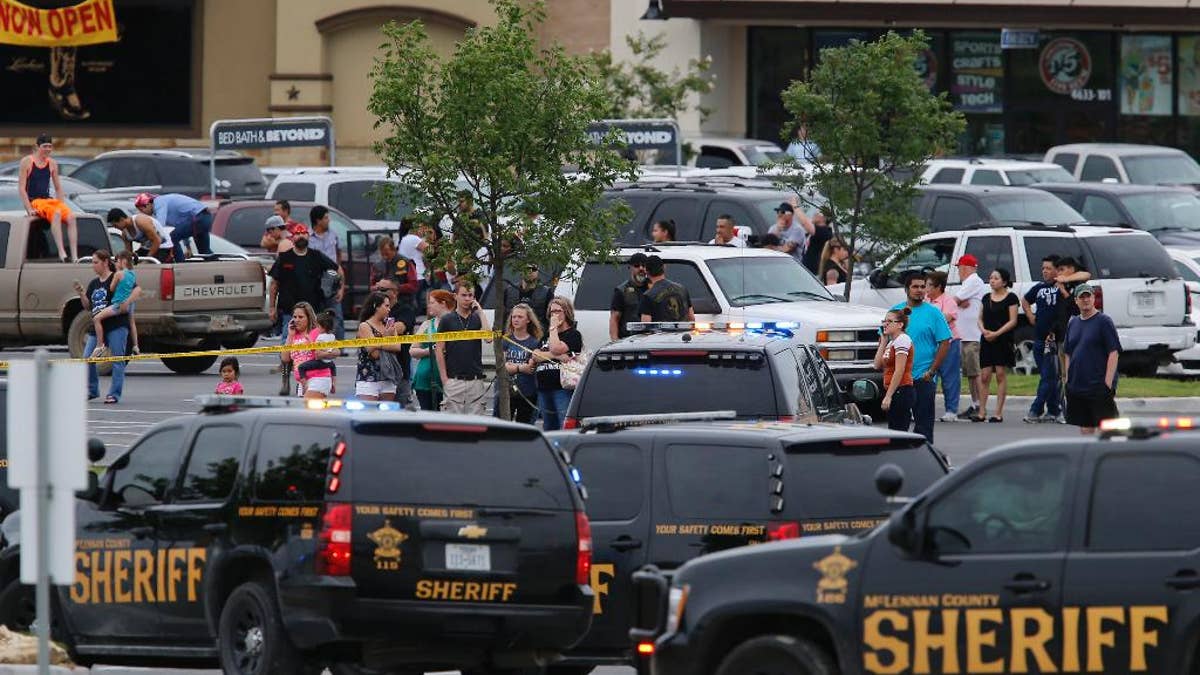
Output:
x,y
970,301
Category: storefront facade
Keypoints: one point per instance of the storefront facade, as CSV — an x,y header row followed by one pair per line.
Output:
x,y
1025,76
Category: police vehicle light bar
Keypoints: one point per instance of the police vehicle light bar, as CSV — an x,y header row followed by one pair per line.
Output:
x,y
1143,427
622,421
710,326
215,403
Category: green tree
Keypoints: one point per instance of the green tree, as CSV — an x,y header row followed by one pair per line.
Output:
x,y
638,89
876,124
502,118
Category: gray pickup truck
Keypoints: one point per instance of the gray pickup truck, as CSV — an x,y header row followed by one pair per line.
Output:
x,y
183,306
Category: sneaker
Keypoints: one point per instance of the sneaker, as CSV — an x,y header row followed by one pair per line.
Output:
x,y
1033,419
949,417
1060,419
969,414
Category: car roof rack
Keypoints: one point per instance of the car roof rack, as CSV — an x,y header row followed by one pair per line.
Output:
x,y
615,422
1020,225
226,403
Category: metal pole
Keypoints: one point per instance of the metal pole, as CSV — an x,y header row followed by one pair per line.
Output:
x,y
42,593
678,150
212,159
332,145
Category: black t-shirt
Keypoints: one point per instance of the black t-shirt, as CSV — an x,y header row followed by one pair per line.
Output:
x,y
299,278
627,299
464,358
995,314
538,298
98,294
816,246
666,301
1064,310
546,372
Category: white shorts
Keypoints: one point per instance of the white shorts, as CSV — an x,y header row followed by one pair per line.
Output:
x,y
376,389
323,385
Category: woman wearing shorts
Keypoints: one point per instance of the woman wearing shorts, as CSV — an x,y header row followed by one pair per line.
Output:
x,y
373,322
303,329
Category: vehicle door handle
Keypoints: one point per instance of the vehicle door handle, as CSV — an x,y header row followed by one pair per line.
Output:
x,y
1184,580
216,528
1027,583
141,532
625,543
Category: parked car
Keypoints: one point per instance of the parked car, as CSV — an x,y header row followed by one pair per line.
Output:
x,y
714,152
1187,263
66,165
1126,163
1137,284
1171,214
987,171
352,190
953,207
183,171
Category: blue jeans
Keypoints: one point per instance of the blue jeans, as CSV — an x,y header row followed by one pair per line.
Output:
x,y
197,230
339,319
923,405
115,339
951,375
553,405
1048,392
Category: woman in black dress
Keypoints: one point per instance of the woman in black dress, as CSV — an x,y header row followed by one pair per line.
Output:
x,y
998,322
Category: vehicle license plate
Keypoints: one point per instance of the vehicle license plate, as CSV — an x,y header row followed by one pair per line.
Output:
x,y
469,557
1147,300
221,322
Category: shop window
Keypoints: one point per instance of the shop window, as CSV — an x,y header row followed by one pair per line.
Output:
x,y
1188,92
1146,75
777,55
977,72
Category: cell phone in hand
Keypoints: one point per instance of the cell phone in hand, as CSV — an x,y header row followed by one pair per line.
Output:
x,y
389,322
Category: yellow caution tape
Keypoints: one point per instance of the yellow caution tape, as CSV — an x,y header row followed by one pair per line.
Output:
x,y
453,336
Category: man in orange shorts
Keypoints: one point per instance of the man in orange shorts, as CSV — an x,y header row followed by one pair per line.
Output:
x,y
37,172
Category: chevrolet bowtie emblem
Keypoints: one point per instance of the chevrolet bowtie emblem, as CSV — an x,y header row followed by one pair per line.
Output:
x,y
472,531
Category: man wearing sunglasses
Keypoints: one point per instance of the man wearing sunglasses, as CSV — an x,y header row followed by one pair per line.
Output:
x,y
627,297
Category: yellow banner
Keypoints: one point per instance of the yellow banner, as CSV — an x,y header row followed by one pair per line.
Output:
x,y
87,23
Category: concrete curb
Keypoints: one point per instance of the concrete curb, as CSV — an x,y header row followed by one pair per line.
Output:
x,y
1127,406
8,669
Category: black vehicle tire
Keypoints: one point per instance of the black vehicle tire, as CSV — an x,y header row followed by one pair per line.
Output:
x,y
189,365
77,334
240,341
250,636
777,655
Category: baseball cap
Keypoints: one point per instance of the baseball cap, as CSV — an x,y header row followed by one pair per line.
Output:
x,y
143,199
273,222
43,138
968,260
638,258
297,229
784,207
1083,289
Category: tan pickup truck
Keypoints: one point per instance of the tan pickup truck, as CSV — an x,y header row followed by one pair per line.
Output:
x,y
184,306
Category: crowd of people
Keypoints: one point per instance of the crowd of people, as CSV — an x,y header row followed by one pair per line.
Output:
x,y
935,335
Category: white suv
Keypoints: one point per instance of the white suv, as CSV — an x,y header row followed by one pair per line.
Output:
x,y
1139,286
1126,163
739,284
349,189
985,171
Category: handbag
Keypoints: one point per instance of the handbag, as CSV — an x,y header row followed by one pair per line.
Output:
x,y
571,370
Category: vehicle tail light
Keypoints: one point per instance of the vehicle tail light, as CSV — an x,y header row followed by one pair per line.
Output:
x,y
583,555
645,649
864,442
571,423
166,283
787,419
333,541
335,467
1187,304
781,531
1098,294
455,428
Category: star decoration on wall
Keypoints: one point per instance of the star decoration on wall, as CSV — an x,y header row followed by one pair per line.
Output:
x,y
293,93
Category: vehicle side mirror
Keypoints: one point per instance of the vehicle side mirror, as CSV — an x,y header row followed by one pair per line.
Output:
x,y
95,450
864,391
92,492
902,531
706,306
877,278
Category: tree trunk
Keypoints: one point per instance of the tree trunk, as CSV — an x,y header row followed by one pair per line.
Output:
x,y
503,389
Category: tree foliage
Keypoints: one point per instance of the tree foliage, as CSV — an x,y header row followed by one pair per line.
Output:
x,y
502,118
876,124
638,89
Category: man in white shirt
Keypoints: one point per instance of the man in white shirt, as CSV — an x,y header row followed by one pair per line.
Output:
x,y
413,245
792,236
970,301
726,235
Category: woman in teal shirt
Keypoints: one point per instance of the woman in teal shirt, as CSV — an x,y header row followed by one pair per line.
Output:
x,y
426,380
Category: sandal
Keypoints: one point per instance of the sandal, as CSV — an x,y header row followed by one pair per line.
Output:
x,y
995,420
110,400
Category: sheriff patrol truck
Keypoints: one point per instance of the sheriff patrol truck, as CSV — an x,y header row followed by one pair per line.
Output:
x,y
1063,556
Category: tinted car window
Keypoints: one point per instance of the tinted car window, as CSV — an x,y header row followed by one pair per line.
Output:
x,y
1097,209
811,377
596,285
716,158
40,244
291,462
687,274
1184,271
1129,256
684,211
932,253
357,199
987,177
613,475
634,230
245,225
793,390
828,480
498,467
1037,248
1033,176
948,175
94,173
296,192
4,227
240,177
1039,208
1067,160
694,481
951,213
1171,169
212,467
676,384
1143,502
1162,211
175,172
128,171
1015,507
741,218
993,253
1097,168
144,475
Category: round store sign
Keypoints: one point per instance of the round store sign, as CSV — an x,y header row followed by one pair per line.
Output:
x,y
1065,65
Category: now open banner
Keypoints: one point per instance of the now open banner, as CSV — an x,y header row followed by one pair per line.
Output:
x,y
87,23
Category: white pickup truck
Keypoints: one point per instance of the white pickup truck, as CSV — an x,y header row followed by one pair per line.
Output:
x,y
739,284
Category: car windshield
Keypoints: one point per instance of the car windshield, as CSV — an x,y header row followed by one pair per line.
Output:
x,y
756,280
674,384
757,155
1164,211
1041,208
241,177
1171,169
1030,176
222,246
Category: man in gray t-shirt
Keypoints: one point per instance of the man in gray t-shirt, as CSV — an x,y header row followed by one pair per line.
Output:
x,y
791,234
